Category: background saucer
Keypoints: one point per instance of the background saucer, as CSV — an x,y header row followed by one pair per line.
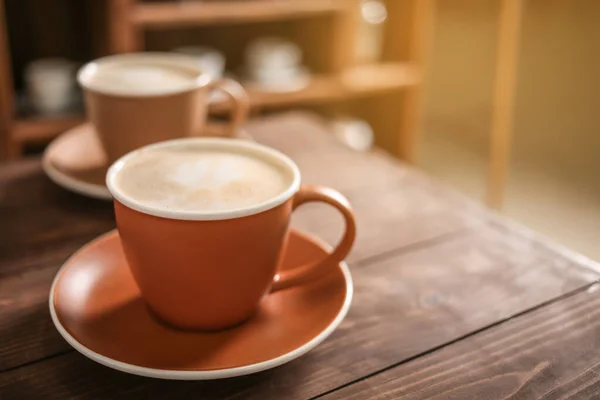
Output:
x,y
75,159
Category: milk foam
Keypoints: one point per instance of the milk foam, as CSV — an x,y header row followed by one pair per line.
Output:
x,y
141,77
184,179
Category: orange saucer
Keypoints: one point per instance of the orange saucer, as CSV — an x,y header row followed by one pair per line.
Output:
x,y
76,161
96,306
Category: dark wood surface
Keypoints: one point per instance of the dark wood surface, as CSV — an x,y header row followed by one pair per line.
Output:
x,y
549,353
450,301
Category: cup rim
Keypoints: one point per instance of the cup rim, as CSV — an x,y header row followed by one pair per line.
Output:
x,y
85,73
226,143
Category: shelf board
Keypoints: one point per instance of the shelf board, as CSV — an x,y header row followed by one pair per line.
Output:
x,y
43,128
354,82
166,15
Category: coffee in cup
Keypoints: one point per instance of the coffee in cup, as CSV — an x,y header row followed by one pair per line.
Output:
x,y
203,224
138,77
202,180
141,98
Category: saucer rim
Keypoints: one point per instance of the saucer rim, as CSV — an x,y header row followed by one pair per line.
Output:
x,y
205,374
67,182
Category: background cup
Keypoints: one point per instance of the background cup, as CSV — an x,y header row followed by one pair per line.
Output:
x,y
210,270
272,53
50,85
127,121
208,59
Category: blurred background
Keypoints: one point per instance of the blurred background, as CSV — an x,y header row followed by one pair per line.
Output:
x,y
500,99
553,181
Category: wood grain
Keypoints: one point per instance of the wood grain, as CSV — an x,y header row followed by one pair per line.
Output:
x,y
550,353
386,196
404,305
42,223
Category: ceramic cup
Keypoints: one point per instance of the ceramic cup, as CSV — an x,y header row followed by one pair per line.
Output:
x,y
210,270
50,84
126,120
210,60
268,53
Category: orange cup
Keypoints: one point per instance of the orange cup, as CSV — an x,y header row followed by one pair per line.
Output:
x,y
210,270
126,120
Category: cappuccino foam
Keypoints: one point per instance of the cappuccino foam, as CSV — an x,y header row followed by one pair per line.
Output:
x,y
200,180
141,78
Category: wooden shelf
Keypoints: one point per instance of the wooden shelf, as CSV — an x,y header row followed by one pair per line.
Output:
x,y
43,128
199,13
354,82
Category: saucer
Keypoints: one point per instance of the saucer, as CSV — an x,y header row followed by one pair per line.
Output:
x,y
76,161
96,306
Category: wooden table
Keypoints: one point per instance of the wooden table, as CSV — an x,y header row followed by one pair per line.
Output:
x,y
450,301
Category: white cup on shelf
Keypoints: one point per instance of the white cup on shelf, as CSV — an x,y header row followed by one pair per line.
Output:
x,y
50,85
272,53
275,64
210,60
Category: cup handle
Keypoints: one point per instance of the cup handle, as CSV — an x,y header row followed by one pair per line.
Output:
x,y
239,98
303,273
